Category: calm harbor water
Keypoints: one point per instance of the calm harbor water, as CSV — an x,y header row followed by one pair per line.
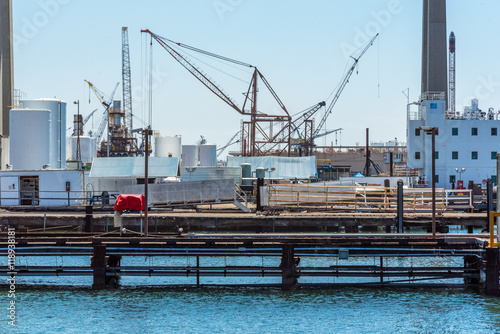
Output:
x,y
253,310
148,305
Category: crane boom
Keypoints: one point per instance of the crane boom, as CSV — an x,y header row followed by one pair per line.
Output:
x,y
198,74
106,105
328,132
229,143
342,85
305,116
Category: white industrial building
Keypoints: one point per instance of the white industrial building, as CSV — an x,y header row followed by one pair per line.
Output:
x,y
466,143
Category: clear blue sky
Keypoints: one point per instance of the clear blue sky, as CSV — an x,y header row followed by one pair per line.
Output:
x,y
301,47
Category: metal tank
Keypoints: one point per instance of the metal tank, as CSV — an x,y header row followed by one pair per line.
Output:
x,y
208,155
246,174
189,155
88,148
168,146
57,110
260,172
29,143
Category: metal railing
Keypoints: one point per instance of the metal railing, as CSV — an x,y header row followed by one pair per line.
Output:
x,y
353,198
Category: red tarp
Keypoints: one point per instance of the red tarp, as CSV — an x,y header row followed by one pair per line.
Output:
x,y
129,202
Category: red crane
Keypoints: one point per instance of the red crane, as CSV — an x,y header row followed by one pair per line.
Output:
x,y
257,139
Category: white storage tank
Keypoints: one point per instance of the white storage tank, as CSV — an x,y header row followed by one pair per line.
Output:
x,y
88,148
189,155
168,146
208,155
29,144
57,110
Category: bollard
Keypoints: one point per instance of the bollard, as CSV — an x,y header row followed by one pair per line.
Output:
x,y
400,206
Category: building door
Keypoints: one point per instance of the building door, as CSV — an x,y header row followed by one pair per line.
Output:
x,y
29,190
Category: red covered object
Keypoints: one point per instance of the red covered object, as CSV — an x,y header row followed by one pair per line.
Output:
x,y
130,202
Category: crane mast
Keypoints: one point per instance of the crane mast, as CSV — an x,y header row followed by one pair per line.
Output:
x,y
342,85
126,82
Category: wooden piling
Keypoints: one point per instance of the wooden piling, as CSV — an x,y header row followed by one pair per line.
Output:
x,y
288,268
99,267
492,271
89,211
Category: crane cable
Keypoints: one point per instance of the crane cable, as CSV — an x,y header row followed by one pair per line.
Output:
x,y
203,51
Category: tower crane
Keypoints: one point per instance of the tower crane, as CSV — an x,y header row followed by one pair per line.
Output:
x,y
342,85
105,116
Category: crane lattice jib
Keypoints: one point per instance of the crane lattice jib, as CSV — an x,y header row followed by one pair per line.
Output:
x,y
105,115
126,80
88,117
196,72
342,85
306,115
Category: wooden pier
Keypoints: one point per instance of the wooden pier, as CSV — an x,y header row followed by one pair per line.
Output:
x,y
479,268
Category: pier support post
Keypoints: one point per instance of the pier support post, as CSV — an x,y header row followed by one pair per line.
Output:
x,y
288,268
489,201
492,271
89,211
400,206
99,267
471,263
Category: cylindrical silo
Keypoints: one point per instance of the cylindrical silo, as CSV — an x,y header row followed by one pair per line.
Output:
x,y
189,155
57,110
168,146
87,148
208,155
29,143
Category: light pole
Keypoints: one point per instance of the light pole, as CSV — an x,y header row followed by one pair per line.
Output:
x,y
460,171
78,150
432,131
146,132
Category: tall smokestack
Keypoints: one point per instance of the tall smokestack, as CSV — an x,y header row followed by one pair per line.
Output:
x,y
452,73
6,77
434,60
6,68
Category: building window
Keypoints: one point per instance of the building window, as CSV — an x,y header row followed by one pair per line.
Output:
x,y
417,131
493,131
417,155
474,131
436,178
452,178
494,178
493,155
474,155
454,155
454,131
436,155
